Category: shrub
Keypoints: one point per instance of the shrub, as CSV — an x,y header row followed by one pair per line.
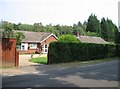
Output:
x,y
118,50
65,52
67,38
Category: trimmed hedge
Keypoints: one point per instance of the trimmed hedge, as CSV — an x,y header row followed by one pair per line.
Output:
x,y
66,52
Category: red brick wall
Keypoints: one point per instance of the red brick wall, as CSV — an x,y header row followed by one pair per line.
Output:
x,y
47,41
50,39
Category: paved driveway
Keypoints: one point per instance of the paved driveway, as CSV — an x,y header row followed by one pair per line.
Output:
x,y
98,75
24,59
25,66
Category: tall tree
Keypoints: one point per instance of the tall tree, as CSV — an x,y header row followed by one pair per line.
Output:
x,y
38,27
111,31
85,25
117,36
108,30
78,29
93,24
58,28
49,28
104,29
25,27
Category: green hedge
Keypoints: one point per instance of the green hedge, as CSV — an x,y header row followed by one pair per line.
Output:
x,y
118,50
67,52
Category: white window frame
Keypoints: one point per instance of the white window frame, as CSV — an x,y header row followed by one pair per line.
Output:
x,y
23,47
33,46
44,48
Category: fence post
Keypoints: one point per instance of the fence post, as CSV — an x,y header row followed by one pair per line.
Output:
x,y
16,58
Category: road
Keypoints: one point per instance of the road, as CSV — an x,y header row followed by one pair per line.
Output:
x,y
97,75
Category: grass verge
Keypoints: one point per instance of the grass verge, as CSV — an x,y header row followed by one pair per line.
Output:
x,y
42,60
90,62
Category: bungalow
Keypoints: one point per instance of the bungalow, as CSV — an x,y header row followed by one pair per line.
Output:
x,y
36,42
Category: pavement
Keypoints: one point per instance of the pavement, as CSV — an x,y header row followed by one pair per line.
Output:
x,y
97,75
25,66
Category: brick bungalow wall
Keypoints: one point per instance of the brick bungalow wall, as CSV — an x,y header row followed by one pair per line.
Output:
x,y
47,41
50,39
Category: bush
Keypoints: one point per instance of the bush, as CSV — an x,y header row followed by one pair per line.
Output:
x,y
67,38
66,52
118,50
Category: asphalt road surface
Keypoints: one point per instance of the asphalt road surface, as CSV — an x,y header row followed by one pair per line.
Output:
x,y
97,75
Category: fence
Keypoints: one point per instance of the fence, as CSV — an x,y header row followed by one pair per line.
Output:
x,y
10,56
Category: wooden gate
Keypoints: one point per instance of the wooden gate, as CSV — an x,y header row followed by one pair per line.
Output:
x,y
10,56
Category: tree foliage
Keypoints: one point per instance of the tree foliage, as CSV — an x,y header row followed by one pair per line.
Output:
x,y
9,33
67,38
93,24
19,36
117,37
108,30
104,28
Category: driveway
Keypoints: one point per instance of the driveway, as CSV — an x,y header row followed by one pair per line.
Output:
x,y
25,66
97,75
24,60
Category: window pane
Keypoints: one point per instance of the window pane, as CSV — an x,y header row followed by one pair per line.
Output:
x,y
23,47
46,50
33,46
45,45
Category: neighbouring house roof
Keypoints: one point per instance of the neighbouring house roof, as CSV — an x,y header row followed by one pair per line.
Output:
x,y
35,37
92,39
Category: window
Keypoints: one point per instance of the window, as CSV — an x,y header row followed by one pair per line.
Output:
x,y
45,48
23,47
33,46
46,45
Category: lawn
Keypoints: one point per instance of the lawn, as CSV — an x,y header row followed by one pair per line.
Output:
x,y
42,60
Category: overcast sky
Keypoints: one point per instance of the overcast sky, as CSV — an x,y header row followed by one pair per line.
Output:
x,y
64,12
